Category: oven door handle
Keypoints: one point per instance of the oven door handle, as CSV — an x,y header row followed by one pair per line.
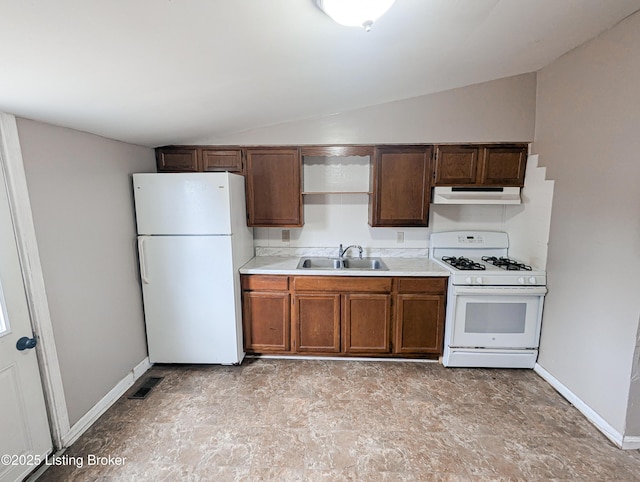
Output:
x,y
502,291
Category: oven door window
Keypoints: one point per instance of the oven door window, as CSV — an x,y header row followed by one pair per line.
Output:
x,y
496,318
497,321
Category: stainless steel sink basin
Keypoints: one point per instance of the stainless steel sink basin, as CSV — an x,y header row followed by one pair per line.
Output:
x,y
364,263
343,263
320,263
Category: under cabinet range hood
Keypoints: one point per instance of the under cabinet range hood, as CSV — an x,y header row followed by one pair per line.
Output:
x,y
476,195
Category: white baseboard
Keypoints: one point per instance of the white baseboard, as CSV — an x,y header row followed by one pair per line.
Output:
x,y
103,405
599,422
141,368
630,442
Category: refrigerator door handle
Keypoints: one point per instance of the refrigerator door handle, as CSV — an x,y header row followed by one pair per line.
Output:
x,y
143,268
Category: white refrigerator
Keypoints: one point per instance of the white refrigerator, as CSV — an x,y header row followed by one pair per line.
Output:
x,y
192,238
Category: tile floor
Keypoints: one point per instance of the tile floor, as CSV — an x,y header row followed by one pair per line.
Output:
x,y
312,420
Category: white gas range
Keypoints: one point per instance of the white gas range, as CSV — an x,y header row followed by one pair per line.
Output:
x,y
494,306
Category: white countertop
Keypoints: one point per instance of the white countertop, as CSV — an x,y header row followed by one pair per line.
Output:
x,y
397,267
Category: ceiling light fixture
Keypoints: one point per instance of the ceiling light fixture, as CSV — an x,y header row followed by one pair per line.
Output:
x,y
355,13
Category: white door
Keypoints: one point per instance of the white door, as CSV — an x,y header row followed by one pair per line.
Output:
x,y
24,428
191,299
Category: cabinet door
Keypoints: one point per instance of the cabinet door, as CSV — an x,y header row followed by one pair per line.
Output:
x,y
419,324
221,159
400,185
367,319
274,190
503,165
266,321
456,165
175,159
317,323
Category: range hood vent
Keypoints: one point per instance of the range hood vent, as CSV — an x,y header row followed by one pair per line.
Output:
x,y
476,195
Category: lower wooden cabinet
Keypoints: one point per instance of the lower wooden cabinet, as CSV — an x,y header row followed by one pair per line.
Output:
x,y
265,314
419,324
356,323
346,316
367,323
419,316
316,323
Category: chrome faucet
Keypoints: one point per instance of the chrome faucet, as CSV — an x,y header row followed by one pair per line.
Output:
x,y
342,252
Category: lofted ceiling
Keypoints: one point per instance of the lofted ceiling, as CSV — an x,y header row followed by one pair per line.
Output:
x,y
157,72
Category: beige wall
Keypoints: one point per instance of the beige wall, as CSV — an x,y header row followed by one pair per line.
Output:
x,y
79,186
587,118
500,110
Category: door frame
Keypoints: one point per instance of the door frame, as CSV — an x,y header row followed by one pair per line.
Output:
x,y
11,163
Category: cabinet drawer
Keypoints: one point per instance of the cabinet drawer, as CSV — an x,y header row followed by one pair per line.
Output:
x,y
342,283
422,285
265,283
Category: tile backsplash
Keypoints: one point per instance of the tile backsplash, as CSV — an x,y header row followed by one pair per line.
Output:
x,y
333,252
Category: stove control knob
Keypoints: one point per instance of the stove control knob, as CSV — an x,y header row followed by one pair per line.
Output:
x,y
521,280
532,280
469,280
479,280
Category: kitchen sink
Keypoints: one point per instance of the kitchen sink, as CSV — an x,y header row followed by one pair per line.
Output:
x,y
342,263
364,263
320,263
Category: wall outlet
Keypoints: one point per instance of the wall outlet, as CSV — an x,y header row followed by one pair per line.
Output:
x,y
286,235
400,237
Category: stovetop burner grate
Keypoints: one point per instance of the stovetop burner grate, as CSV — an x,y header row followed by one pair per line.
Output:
x,y
463,263
506,263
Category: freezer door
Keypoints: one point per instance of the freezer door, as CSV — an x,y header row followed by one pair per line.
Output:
x,y
191,299
182,203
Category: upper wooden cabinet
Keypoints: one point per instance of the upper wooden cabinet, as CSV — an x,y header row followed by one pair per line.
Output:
x,y
400,186
274,187
456,165
213,159
177,159
503,165
199,159
473,165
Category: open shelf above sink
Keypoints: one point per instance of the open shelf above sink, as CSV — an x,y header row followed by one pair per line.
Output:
x,y
336,175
